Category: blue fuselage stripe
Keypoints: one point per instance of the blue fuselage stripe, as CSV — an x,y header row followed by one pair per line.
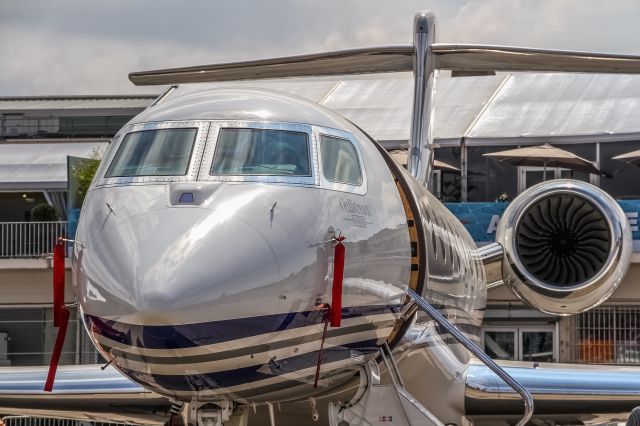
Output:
x,y
207,333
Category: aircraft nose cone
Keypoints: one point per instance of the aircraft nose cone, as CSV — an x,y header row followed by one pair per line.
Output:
x,y
205,267
179,266
174,289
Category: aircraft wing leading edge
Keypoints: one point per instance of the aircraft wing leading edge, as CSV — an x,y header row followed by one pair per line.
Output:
x,y
561,392
353,61
467,57
84,392
475,57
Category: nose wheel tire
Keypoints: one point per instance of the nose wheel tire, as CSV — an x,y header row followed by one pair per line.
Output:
x,y
634,417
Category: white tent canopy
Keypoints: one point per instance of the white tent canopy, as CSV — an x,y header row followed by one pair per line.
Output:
x,y
522,108
561,108
40,166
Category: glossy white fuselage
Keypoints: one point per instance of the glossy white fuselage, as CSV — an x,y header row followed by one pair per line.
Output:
x,y
223,297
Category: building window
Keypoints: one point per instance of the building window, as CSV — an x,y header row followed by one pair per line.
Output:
x,y
521,343
447,184
609,334
82,126
588,151
489,179
529,176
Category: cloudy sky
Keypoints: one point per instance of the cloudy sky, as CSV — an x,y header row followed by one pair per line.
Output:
x,y
89,46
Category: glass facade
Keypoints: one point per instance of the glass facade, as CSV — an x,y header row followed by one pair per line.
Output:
x,y
489,179
105,126
450,181
621,181
537,346
588,151
27,337
526,341
500,344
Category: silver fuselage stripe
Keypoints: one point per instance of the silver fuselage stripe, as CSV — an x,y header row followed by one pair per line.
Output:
x,y
243,343
253,359
304,376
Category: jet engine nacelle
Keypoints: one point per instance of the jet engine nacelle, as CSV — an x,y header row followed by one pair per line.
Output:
x,y
567,246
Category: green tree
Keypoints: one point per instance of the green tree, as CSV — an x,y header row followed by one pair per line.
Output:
x,y
82,173
44,212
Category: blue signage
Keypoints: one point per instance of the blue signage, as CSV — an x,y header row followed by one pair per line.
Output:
x,y
481,219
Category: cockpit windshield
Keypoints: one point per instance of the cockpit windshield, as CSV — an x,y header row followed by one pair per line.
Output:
x,y
158,152
261,152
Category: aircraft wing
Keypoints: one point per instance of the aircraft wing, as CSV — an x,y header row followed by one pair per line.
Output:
x,y
572,393
352,61
476,57
463,57
84,392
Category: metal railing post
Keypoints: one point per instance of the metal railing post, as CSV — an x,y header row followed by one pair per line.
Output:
x,y
29,239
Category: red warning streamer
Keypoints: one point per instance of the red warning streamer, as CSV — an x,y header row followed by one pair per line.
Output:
x,y
60,312
57,349
336,292
58,282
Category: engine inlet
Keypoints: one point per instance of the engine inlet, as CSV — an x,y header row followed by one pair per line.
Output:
x,y
563,240
566,244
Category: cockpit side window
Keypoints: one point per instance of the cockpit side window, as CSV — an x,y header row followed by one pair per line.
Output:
x,y
261,152
340,160
158,152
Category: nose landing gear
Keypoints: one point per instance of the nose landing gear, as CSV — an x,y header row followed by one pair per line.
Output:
x,y
220,413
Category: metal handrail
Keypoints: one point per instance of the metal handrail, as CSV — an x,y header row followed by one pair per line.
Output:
x,y
474,349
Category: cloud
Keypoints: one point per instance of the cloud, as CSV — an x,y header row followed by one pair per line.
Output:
x,y
79,47
561,24
72,65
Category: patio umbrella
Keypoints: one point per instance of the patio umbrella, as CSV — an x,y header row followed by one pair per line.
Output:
x,y
544,156
400,157
632,157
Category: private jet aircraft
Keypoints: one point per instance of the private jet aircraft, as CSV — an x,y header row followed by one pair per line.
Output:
x,y
244,255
